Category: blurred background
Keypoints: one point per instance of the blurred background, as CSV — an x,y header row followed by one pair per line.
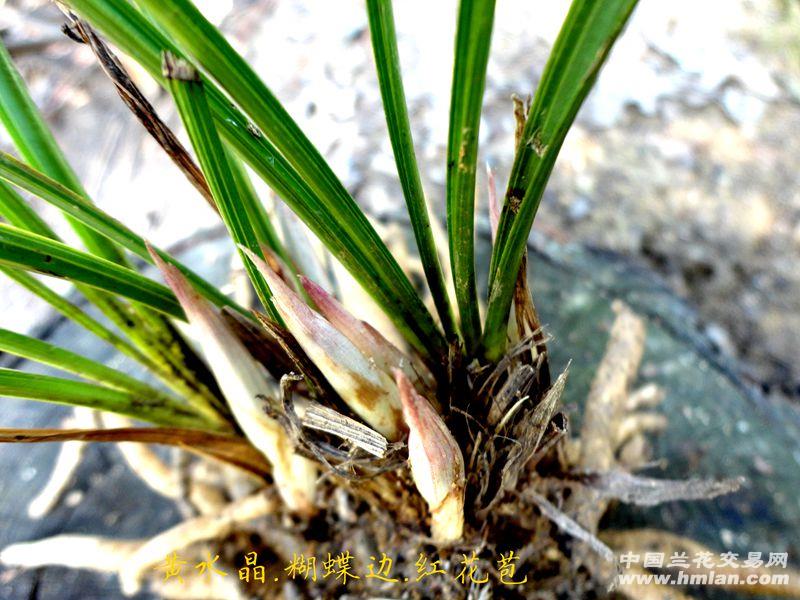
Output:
x,y
684,158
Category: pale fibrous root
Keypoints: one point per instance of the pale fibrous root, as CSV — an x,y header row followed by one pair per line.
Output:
x,y
134,560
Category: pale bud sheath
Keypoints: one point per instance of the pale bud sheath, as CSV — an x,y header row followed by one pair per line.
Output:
x,y
242,380
366,338
368,390
437,465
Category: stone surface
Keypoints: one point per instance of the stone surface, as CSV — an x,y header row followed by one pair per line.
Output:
x,y
718,425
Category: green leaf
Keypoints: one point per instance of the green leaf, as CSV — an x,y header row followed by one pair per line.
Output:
x,y
387,62
36,144
17,384
17,212
78,208
43,352
19,248
256,212
294,169
190,98
473,39
76,315
259,218
586,37
159,346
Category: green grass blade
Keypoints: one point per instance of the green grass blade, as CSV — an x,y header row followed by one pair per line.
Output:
x,y
473,40
387,62
586,38
88,214
256,212
37,145
159,346
76,314
20,248
48,354
46,388
190,98
304,182
260,219
17,212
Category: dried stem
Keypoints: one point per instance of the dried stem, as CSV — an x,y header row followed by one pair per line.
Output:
x,y
80,30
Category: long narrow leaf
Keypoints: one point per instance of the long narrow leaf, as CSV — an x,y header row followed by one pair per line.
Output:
x,y
140,106
190,98
19,248
153,337
46,388
36,143
160,346
387,62
322,204
256,212
586,38
473,38
15,172
48,354
76,314
17,212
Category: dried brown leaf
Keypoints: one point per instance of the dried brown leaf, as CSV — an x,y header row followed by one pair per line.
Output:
x,y
232,450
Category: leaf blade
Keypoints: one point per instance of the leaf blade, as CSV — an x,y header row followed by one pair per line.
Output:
x,y
86,213
187,91
43,352
583,44
230,449
76,314
46,388
387,62
322,203
19,248
152,336
36,143
473,37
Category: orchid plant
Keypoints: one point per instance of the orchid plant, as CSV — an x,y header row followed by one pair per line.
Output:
x,y
297,391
